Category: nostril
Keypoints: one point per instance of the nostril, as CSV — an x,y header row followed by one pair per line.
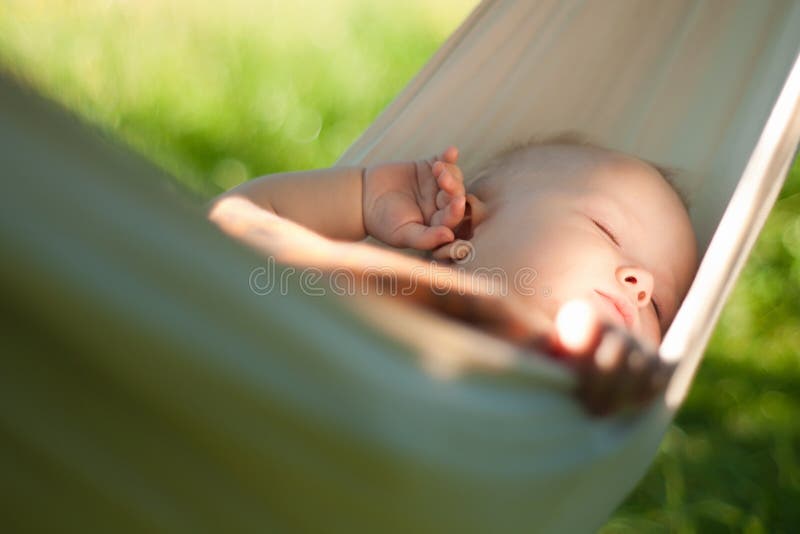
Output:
x,y
630,279
641,295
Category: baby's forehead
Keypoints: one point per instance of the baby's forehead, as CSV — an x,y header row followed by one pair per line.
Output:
x,y
573,157
571,167
590,173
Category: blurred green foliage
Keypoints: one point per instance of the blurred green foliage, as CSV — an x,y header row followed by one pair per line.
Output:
x,y
218,92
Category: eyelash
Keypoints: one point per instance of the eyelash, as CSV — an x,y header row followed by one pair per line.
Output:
x,y
607,231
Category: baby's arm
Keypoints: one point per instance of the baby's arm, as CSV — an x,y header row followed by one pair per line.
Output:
x,y
409,204
327,201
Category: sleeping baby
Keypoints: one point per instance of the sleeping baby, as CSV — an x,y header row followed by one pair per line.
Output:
x,y
603,240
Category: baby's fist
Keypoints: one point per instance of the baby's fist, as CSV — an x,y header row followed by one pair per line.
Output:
x,y
416,204
614,368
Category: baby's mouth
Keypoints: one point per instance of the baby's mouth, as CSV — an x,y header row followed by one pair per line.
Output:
x,y
619,309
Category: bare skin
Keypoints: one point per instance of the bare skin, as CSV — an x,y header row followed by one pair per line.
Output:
x,y
598,227
397,203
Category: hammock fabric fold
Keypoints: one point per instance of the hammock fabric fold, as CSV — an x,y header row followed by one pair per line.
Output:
x,y
146,385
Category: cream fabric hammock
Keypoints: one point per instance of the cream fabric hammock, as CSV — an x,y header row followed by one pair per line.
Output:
x,y
144,385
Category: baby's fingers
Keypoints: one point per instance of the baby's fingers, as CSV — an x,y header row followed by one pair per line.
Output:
x,y
450,155
443,198
451,214
449,178
614,368
421,237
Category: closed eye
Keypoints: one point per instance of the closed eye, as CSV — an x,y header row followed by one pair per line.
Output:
x,y
606,231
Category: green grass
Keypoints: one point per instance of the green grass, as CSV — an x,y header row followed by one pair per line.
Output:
x,y
216,93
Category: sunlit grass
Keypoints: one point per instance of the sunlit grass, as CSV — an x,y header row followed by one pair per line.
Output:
x,y
219,92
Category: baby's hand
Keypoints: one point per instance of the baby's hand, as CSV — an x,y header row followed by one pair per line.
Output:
x,y
415,205
614,368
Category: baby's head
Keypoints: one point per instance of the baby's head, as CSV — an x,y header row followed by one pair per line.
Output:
x,y
591,224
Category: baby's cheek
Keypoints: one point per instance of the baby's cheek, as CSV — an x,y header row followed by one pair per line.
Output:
x,y
541,297
651,331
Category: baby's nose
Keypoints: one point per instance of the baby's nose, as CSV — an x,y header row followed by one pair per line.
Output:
x,y
638,284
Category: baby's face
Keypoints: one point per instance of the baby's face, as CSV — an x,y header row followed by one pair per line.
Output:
x,y
594,225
